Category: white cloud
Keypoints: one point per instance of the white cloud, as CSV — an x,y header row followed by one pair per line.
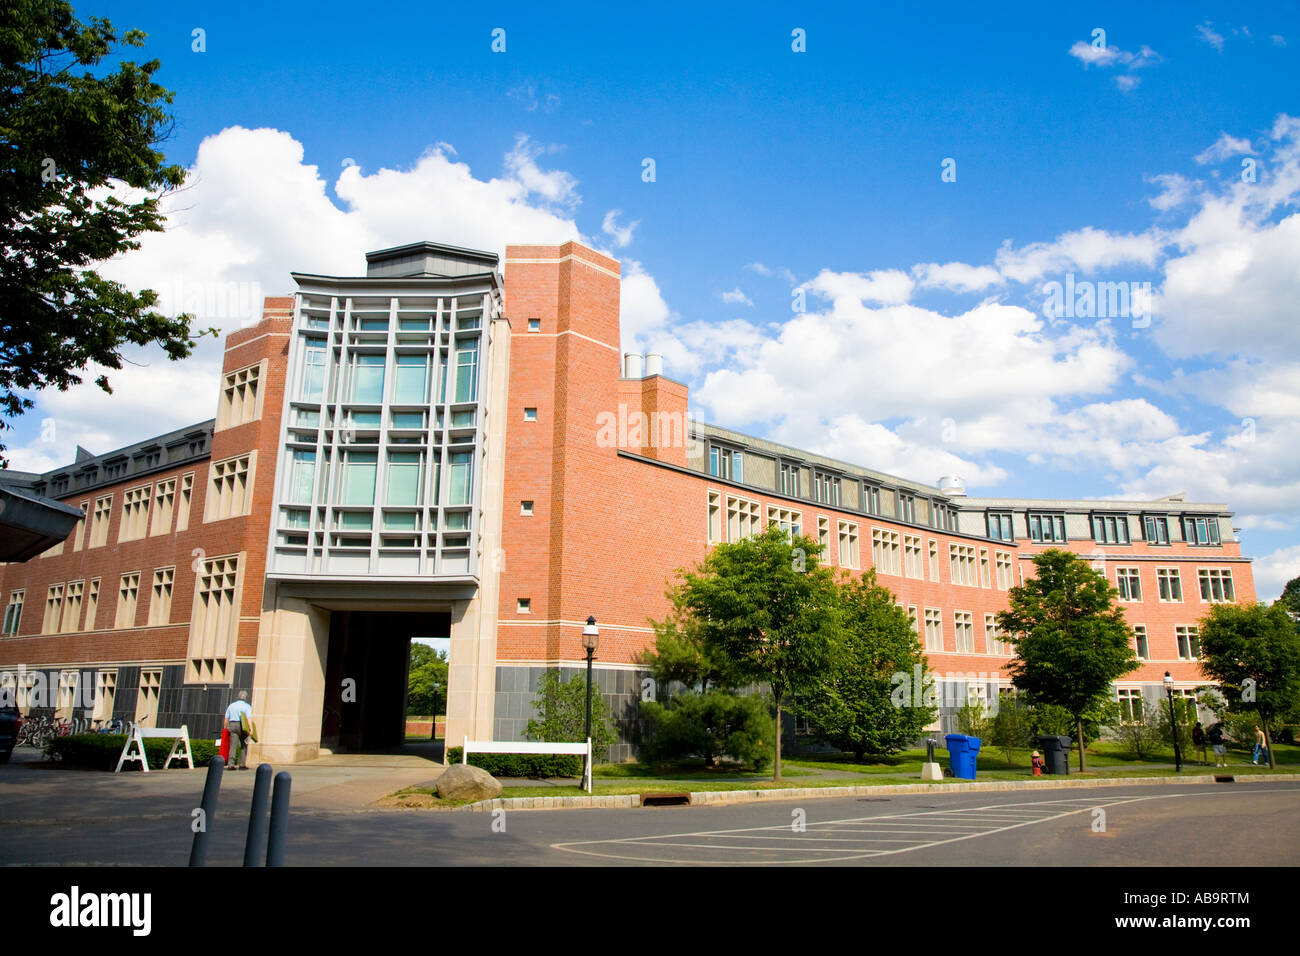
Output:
x,y
883,286
1208,35
1087,249
1274,570
555,186
768,271
1090,54
1278,39
737,297
1175,190
956,276
1222,148
622,235
1127,82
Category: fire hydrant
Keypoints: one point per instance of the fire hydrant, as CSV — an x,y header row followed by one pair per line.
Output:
x,y
1036,759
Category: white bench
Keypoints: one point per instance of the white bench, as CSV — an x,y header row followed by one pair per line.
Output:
x,y
530,747
180,737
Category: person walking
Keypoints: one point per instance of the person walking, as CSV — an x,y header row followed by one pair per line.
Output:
x,y
1198,741
1215,737
1261,746
239,721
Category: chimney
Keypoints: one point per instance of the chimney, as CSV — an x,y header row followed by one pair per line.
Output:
x,y
632,365
654,364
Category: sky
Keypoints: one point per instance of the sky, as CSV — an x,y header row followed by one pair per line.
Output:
x,y
1054,252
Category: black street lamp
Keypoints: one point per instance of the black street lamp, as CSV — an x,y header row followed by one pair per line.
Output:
x,y
1173,719
433,730
590,636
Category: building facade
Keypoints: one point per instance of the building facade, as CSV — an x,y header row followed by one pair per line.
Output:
x,y
435,450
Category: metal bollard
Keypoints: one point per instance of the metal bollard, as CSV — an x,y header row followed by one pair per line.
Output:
x,y
279,820
257,816
211,790
929,750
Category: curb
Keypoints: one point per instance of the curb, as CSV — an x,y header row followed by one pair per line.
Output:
x,y
629,801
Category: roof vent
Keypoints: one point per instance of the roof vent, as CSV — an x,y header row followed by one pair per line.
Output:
x,y
654,364
952,485
633,365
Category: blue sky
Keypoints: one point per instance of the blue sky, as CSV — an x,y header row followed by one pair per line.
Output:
x,y
313,134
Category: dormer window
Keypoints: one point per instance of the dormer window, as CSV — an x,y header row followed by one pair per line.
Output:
x,y
726,463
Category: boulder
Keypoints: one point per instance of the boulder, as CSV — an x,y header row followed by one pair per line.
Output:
x,y
462,782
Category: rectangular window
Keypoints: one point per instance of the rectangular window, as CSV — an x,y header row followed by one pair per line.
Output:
x,y
788,521
135,514
14,611
366,379
461,468
404,473
912,619
961,564
99,522
993,641
1004,569
1155,528
127,595
790,479
824,538
146,701
964,632
72,606
1169,584
1000,526
726,464
228,488
1046,527
358,484
1216,586
848,544
907,507
214,621
53,609
1140,642
183,507
1201,531
67,703
826,488
984,568
412,380
1189,642
239,397
743,519
79,534
526,509
1110,529
92,604
715,517
886,551
160,608
315,361
871,498
1131,706
164,506
913,558
933,629
1129,583
105,692
467,370
302,477
934,560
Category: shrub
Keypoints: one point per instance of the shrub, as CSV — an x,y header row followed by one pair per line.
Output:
x,y
1144,737
538,766
710,725
973,720
1011,728
101,751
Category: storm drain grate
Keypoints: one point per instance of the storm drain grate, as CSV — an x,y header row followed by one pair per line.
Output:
x,y
1224,778
665,799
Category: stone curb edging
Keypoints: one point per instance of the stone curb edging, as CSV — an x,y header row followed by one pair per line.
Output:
x,y
718,797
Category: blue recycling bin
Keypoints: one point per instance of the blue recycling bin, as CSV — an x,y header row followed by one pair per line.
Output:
x,y
962,751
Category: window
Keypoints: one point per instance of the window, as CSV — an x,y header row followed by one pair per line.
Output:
x,y
127,594
912,619
239,398
146,702
1046,527
14,611
1169,584
993,639
964,631
743,519
907,507
461,473
183,509
467,370
228,488
78,535
1140,642
789,479
92,604
534,325
313,372
164,506
411,380
53,609
99,522
933,629
725,463
788,521
1000,526
961,564
913,560
160,608
1110,529
824,538
135,514
67,703
1201,531
871,499
1189,642
848,544
1129,583
366,379
1216,586
826,488
984,568
715,517
215,620
530,414
1155,528
1132,709
358,484
885,551
526,509
72,606
405,470
302,477
524,606
934,560
939,516
1004,570
105,692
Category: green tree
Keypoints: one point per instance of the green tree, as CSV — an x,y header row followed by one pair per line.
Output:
x,y
562,713
1071,639
1012,727
1253,651
426,685
1291,597
682,655
974,720
711,724
853,705
764,604
1144,736
72,140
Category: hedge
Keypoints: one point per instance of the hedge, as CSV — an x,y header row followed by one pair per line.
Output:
x,y
101,751
522,765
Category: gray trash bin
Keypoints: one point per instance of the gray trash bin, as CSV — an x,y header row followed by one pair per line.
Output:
x,y
1056,753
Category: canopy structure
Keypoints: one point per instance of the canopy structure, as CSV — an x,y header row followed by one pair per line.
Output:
x,y
30,523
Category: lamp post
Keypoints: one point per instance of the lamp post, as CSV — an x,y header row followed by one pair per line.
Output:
x,y
590,637
433,730
1173,719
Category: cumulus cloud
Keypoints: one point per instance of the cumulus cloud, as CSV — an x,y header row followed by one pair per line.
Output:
x,y
622,235
956,276
736,297
1274,570
1175,190
1222,148
1087,249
